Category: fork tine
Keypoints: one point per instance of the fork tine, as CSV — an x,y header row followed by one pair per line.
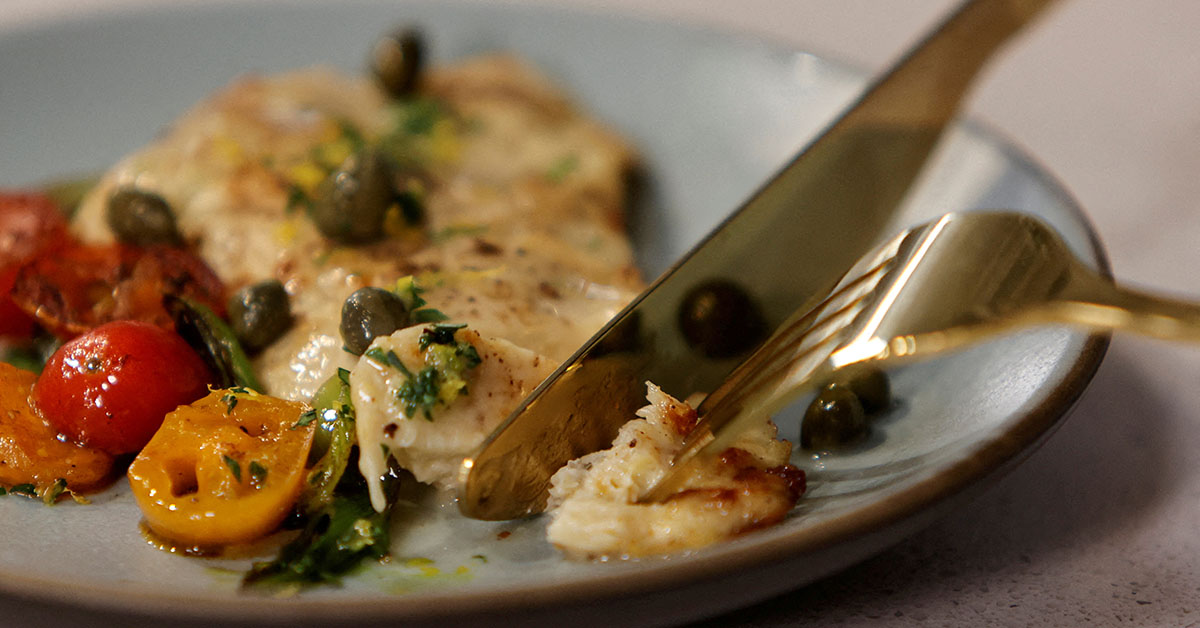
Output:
x,y
796,341
793,333
774,356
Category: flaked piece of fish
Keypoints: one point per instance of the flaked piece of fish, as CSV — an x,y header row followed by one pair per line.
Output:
x,y
431,446
593,506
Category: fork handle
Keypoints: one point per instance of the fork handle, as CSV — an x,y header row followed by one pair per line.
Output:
x,y
1104,305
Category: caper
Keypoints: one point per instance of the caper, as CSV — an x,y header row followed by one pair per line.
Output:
x,y
720,320
870,384
260,314
397,61
368,314
142,218
352,203
834,419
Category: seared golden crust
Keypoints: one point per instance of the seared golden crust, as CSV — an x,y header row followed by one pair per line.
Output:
x,y
593,499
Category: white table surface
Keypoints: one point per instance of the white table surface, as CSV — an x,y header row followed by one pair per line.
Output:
x,y
1102,524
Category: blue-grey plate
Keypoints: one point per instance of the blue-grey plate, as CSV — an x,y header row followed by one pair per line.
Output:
x,y
712,114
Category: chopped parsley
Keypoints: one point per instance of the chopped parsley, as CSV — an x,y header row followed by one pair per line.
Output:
x,y
428,315
298,199
351,135
417,117
234,467
441,333
420,392
51,494
258,473
230,399
410,293
441,379
388,358
308,416
48,495
562,168
344,375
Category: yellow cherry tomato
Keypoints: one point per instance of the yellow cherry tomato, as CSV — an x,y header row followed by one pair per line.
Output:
x,y
225,469
30,451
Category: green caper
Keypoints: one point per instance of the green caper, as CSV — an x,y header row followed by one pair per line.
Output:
x,y
397,61
352,203
720,320
369,313
870,384
834,419
260,314
142,218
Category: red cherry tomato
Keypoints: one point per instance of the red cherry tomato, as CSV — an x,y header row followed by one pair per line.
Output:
x,y
110,388
30,225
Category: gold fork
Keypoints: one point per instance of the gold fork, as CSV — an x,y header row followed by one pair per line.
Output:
x,y
938,287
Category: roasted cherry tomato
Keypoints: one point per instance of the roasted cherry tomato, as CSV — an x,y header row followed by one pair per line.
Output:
x,y
30,225
110,388
225,469
83,286
30,452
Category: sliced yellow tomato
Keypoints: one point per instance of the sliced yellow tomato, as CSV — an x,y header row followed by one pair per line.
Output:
x,y
30,451
225,469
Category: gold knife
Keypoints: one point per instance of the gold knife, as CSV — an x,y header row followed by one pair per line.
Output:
x,y
785,247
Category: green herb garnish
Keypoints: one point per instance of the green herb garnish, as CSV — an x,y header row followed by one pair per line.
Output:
x,y
337,538
27,490
388,358
51,494
562,168
417,117
306,417
298,199
258,473
442,334
420,392
234,467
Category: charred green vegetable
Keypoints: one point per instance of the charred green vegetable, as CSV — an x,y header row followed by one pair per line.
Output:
x,y
333,441
335,541
214,341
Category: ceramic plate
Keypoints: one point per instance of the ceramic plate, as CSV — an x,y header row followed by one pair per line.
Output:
x,y
713,115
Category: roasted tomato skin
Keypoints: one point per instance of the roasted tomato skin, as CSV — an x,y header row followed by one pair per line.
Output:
x,y
30,225
110,388
30,452
84,286
225,469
